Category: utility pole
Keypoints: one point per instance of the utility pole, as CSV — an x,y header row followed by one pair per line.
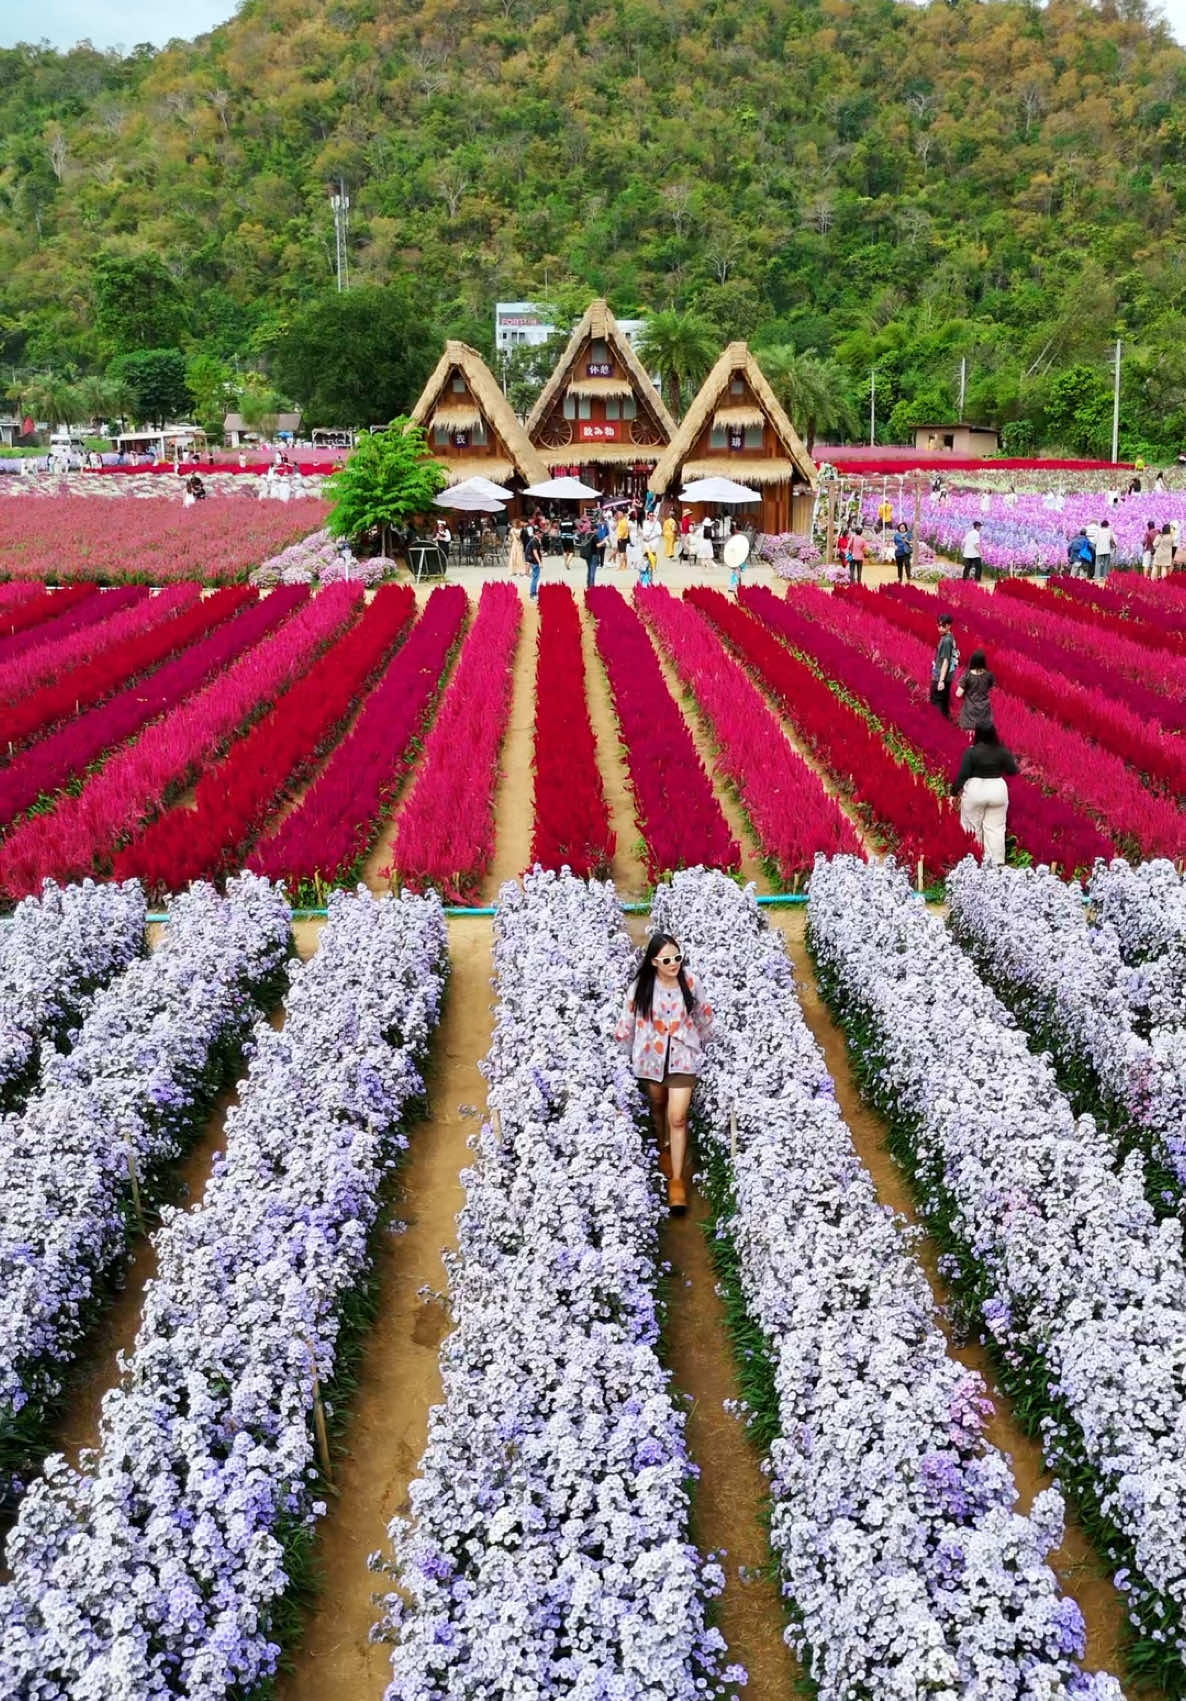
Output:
x,y
1116,407
872,406
340,202
959,414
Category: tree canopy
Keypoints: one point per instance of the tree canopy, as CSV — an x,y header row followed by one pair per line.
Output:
x,y
357,358
388,479
894,187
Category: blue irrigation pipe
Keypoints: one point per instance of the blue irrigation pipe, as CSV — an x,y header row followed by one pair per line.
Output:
x,y
766,899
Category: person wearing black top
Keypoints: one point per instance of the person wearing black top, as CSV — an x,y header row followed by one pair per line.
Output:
x,y
983,794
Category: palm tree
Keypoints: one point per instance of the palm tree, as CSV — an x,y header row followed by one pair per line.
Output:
x,y
100,399
53,399
815,390
680,347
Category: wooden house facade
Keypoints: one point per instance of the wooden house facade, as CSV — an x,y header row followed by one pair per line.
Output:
x,y
599,417
471,427
737,428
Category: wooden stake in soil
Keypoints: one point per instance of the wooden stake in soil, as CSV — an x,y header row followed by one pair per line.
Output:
x,y
733,1135
319,1426
921,887
134,1178
496,1119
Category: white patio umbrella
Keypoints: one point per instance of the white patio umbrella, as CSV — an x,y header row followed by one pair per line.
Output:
x,y
718,490
486,486
562,490
469,501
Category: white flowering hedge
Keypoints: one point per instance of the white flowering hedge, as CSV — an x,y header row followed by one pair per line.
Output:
x,y
158,1568
547,1552
1064,976
56,950
1081,1289
906,1570
154,1048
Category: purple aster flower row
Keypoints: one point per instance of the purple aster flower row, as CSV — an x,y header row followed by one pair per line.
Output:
x,y
546,1553
1065,978
1144,904
1082,1288
154,1570
908,1571
153,1048
55,952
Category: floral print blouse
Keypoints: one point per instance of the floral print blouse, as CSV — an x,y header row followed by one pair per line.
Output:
x,y
671,1041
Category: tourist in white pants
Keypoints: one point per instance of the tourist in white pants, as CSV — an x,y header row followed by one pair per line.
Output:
x,y
982,791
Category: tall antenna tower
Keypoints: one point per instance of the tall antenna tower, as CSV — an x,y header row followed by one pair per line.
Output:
x,y
340,202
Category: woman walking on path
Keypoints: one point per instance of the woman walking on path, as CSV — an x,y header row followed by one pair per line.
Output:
x,y
856,556
1163,552
666,1026
517,561
974,690
983,794
943,667
669,537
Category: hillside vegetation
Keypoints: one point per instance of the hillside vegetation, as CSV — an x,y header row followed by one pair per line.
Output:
x,y
892,184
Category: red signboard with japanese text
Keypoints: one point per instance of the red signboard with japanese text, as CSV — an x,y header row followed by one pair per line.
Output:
x,y
598,431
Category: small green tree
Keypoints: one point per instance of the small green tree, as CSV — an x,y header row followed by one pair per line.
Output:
x,y
211,384
387,480
154,380
138,303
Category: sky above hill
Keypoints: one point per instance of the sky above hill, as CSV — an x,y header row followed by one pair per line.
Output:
x,y
124,23
111,23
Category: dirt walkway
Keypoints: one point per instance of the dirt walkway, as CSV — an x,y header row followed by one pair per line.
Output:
x,y
1080,1570
514,800
398,1375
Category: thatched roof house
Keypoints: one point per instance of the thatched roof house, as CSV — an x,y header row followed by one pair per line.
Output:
x,y
737,428
599,409
471,426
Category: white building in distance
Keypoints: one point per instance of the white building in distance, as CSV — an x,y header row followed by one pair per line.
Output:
x,y
525,324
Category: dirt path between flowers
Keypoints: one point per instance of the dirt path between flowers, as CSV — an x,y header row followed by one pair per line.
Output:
x,y
628,869
398,1377
1080,1570
514,798
730,1499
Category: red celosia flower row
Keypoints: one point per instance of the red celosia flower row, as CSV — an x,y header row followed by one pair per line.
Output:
x,y
1050,830
58,615
82,833
678,815
1020,629
571,819
791,813
198,650
233,798
52,666
444,837
905,811
1104,659
328,834
22,606
148,540
1155,754
150,636
1062,759
1100,604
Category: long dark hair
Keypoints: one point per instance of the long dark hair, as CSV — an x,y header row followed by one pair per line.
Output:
x,y
644,987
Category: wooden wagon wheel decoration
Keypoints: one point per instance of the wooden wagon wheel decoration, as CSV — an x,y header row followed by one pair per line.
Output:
x,y
557,433
645,432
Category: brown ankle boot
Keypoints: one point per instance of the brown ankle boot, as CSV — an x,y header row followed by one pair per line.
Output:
x,y
677,1196
665,1161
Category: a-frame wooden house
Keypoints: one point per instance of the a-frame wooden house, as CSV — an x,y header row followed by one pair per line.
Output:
x,y
737,428
599,417
470,424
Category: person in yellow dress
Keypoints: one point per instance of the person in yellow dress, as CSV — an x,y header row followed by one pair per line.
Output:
x,y
669,536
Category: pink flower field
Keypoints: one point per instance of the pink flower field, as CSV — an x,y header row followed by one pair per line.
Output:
x,y
150,541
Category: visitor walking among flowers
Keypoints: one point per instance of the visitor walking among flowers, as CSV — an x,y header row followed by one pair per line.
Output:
x,y
666,1024
982,791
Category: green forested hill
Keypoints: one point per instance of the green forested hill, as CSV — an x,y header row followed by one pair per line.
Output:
x,y
894,184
